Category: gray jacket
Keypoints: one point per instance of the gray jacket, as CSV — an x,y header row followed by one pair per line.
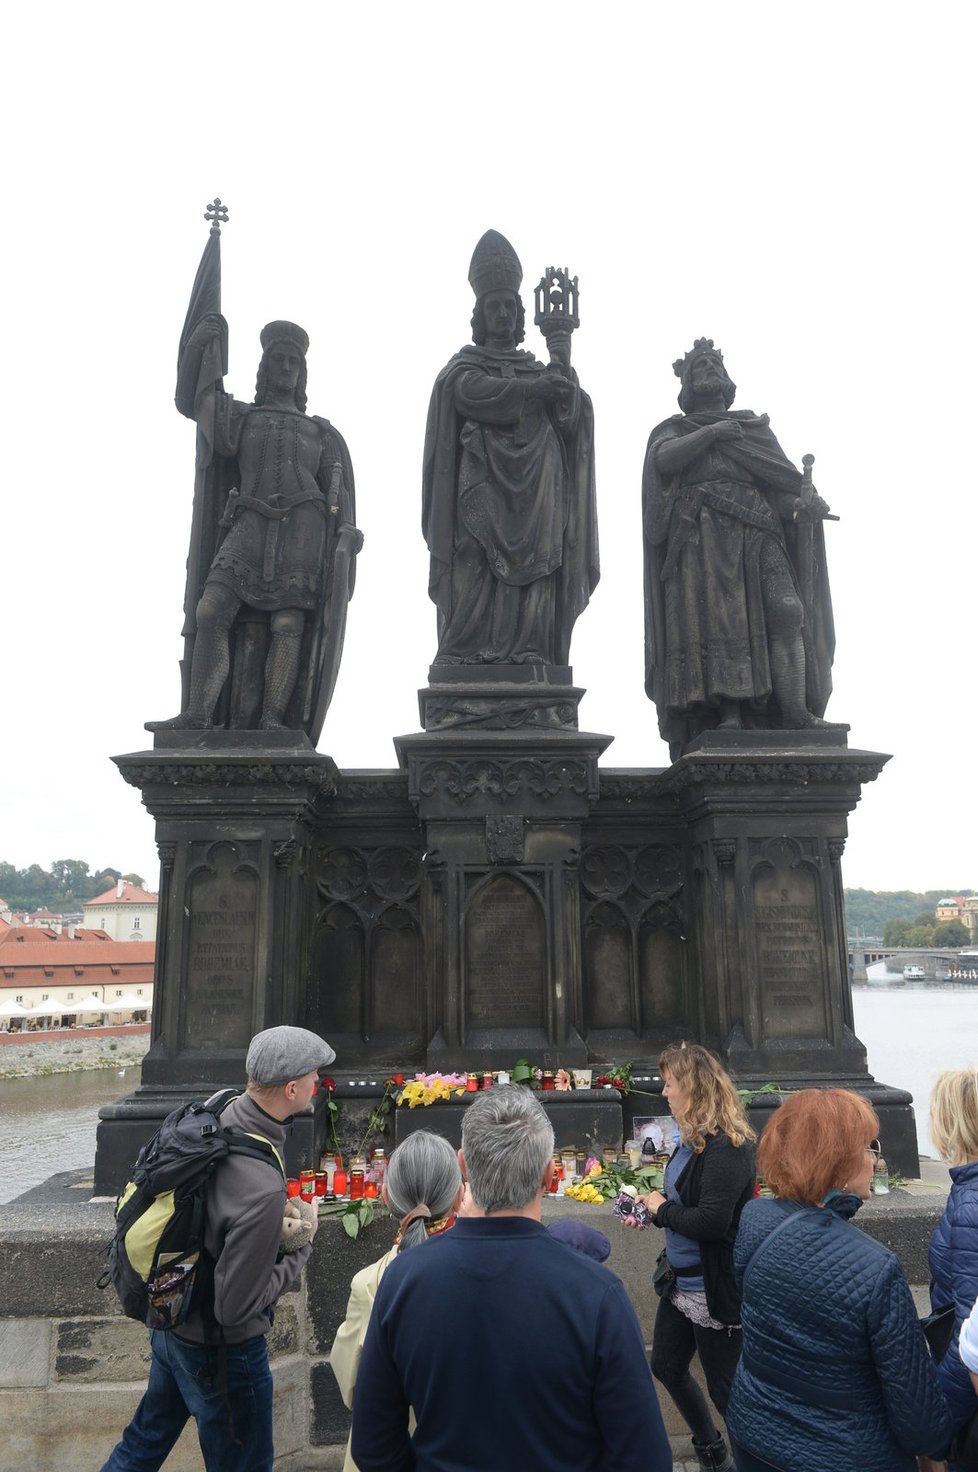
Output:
x,y
245,1207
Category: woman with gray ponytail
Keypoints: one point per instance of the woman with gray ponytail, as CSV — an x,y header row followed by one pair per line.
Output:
x,y
423,1192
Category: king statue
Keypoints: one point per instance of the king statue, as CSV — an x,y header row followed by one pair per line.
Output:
x,y
273,541
508,486
738,615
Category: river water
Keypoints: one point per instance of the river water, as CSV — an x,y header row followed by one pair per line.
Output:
x,y
48,1124
912,1034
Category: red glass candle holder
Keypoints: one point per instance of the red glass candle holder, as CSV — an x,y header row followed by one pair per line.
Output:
x,y
339,1182
292,1188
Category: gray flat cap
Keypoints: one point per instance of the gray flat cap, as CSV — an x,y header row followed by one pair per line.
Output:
x,y
282,1053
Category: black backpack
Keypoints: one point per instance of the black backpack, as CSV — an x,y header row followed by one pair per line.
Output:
x,y
157,1260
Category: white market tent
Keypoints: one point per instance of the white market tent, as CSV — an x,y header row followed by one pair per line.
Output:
x,y
44,1009
10,1008
126,1004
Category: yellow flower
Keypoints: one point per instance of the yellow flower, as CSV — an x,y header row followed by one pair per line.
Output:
x,y
582,1191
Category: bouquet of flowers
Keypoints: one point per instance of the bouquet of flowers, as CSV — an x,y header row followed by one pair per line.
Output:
x,y
602,1182
426,1088
619,1076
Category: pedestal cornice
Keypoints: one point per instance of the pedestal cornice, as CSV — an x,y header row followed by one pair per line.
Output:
x,y
454,773
184,782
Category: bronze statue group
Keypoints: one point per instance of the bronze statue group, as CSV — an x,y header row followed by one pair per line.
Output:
x,y
739,631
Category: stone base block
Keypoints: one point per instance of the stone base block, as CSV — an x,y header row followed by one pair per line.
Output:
x,y
74,1430
74,1426
25,1352
499,697
96,1351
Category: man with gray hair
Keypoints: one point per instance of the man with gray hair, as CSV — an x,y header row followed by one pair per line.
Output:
x,y
512,1349
214,1367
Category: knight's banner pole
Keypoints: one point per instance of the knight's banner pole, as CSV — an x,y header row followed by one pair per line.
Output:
x,y
202,362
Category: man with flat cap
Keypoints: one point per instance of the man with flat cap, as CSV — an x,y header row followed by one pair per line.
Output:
x,y
214,1367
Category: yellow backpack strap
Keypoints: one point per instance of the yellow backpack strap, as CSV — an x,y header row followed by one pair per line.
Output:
x,y
281,1163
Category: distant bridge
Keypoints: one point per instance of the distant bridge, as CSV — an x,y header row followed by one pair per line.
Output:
x,y
933,961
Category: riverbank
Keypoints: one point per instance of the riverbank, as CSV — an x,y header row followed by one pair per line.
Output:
x,y
38,1054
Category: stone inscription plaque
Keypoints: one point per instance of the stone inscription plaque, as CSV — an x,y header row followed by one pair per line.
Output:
x,y
220,955
789,954
505,957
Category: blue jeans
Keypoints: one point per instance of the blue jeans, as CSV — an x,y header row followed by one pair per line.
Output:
x,y
234,1419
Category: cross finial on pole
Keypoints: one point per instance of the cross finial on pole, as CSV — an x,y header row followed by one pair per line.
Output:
x,y
217,215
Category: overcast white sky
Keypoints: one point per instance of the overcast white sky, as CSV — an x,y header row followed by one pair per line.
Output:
x,y
794,181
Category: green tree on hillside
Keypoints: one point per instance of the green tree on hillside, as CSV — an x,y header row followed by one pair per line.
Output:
x,y
62,888
72,879
951,933
868,910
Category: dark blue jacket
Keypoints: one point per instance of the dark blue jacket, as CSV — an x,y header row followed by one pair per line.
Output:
x,y
835,1371
513,1351
954,1279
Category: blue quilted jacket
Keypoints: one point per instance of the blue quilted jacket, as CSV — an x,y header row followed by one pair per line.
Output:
x,y
834,1372
954,1279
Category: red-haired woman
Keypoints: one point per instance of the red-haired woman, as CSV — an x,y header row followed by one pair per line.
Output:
x,y
708,1181
835,1371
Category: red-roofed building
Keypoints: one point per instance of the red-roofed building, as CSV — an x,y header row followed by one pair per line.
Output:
x,y
125,912
31,935
77,979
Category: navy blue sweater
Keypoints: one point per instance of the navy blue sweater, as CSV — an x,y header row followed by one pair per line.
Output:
x,y
513,1351
835,1371
954,1279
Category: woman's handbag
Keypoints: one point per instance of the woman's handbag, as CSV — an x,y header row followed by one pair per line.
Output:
x,y
938,1330
964,1447
663,1276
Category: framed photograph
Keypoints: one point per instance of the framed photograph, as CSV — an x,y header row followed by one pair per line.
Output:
x,y
651,1124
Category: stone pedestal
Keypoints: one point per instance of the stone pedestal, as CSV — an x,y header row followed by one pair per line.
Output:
x,y
499,697
502,815
497,898
234,815
766,817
